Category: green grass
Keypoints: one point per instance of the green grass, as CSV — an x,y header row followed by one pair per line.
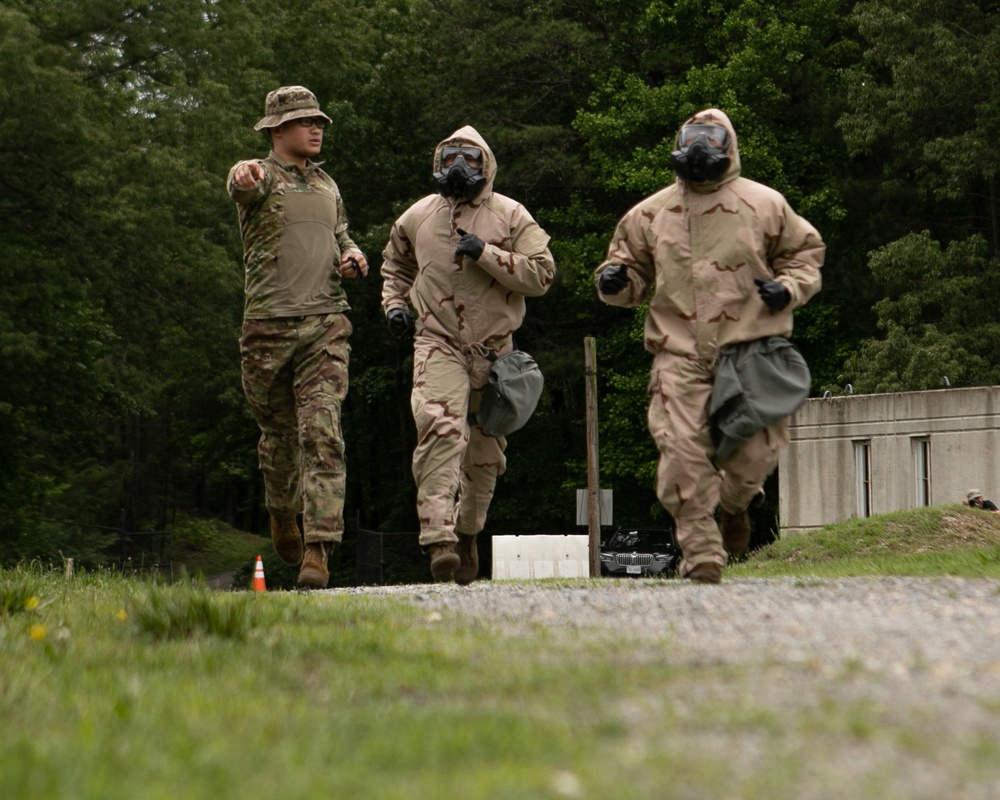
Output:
x,y
108,692
934,541
112,687
208,547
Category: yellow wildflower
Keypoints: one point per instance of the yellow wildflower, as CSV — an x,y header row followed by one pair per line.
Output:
x,y
33,602
37,632
121,616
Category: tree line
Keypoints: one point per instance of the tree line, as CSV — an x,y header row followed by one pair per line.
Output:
x,y
120,404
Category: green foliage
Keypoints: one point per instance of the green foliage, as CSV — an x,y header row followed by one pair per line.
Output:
x,y
925,94
764,63
922,116
938,317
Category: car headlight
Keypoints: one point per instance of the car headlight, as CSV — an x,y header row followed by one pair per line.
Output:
x,y
663,556
607,557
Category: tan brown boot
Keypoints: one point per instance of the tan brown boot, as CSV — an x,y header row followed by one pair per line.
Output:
x,y
735,529
314,573
468,553
444,560
706,572
286,538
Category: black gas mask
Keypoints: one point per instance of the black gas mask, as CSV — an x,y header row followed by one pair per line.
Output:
x,y
701,154
461,172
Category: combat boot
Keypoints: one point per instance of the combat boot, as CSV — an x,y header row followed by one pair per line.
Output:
x,y
468,553
735,529
706,572
444,560
286,538
314,573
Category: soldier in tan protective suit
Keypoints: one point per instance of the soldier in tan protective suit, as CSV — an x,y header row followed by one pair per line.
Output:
x,y
464,259
721,260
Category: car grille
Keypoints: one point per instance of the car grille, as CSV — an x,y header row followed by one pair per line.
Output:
x,y
632,559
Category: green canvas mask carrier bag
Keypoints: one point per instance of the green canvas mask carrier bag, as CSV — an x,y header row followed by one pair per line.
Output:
x,y
511,393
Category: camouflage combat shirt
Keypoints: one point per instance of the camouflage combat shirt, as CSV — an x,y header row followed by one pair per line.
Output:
x,y
294,230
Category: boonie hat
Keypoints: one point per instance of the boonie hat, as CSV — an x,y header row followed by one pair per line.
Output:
x,y
289,102
972,494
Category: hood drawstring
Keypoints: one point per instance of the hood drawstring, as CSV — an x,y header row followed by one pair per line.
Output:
x,y
712,362
685,205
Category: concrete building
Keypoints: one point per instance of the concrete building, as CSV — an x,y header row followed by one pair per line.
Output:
x,y
858,455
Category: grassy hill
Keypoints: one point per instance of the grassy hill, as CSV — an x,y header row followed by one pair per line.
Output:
x,y
937,540
210,547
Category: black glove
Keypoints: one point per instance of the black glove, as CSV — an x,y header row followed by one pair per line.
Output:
x,y
774,295
470,245
613,280
355,265
400,322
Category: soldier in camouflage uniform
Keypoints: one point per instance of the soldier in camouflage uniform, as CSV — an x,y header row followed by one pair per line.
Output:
x,y
465,259
721,260
294,344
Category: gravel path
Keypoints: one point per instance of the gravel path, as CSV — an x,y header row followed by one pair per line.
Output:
x,y
876,688
942,626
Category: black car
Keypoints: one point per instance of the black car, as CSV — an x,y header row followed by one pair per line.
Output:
x,y
640,551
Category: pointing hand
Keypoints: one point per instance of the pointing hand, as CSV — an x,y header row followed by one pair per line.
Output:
x,y
248,175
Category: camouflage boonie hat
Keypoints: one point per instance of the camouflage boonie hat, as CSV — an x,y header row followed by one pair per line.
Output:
x,y
289,102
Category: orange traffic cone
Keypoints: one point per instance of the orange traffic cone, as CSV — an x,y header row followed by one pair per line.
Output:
x,y
258,576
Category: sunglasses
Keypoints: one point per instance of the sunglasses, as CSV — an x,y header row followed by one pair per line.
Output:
x,y
311,122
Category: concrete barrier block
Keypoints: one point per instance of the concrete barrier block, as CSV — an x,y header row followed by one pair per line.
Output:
x,y
541,556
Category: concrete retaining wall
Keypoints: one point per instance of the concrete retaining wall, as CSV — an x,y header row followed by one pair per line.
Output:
x,y
954,432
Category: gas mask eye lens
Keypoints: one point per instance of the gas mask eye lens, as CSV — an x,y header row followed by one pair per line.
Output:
x,y
715,135
473,156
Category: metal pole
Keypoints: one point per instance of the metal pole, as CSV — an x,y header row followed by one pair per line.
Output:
x,y
593,471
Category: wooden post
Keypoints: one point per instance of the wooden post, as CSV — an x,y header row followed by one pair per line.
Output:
x,y
593,471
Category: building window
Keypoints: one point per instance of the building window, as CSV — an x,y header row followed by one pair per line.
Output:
x,y
863,478
922,470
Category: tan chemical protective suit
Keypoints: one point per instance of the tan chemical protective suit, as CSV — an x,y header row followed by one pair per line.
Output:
x,y
465,310
693,250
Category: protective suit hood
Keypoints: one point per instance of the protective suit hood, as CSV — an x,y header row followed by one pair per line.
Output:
x,y
470,136
713,116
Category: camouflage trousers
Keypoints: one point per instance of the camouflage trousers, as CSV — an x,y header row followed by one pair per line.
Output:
x,y
295,380
455,465
689,483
